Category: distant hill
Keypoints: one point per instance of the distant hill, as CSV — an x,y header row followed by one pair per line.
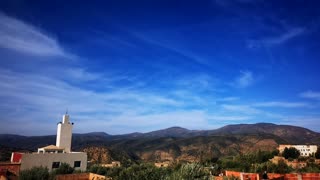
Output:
x,y
175,143
169,132
26,142
291,134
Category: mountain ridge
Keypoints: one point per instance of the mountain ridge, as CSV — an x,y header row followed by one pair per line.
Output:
x,y
175,143
177,131
290,134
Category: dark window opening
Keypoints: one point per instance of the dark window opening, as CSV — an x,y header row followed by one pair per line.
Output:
x,y
77,164
55,165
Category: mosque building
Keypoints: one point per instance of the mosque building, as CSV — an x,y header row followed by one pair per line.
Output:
x,y
53,155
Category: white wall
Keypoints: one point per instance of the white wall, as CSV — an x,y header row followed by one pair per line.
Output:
x,y
64,136
31,160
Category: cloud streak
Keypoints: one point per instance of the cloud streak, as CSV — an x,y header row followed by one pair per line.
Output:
x,y
28,98
277,39
36,97
242,108
283,38
25,38
228,118
245,79
307,121
282,104
310,95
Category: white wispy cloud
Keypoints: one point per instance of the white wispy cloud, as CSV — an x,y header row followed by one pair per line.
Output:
x,y
282,104
224,119
310,122
241,108
28,98
81,74
228,99
197,82
310,95
26,38
171,46
279,39
48,90
244,80
255,108
282,38
189,119
255,111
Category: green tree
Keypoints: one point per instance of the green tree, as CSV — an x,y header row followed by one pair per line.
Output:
x,y
282,167
143,172
264,156
35,173
310,168
291,153
113,172
93,168
229,164
190,171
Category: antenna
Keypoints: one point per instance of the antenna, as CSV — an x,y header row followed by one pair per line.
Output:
x,y
66,111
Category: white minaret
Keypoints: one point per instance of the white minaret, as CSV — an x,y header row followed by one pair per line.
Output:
x,y
64,133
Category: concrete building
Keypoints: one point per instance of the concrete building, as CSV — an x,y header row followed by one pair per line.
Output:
x,y
53,155
112,164
305,150
162,164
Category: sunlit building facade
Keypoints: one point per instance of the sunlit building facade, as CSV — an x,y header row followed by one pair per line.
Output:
x,y
305,150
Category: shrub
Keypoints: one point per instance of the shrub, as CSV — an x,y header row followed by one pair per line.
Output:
x,y
190,171
291,153
35,173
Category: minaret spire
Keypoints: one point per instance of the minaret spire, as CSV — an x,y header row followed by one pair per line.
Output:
x,y
64,133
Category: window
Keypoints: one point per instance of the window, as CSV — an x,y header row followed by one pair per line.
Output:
x,y
55,165
77,164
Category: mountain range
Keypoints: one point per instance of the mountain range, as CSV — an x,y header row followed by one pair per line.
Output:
x,y
173,143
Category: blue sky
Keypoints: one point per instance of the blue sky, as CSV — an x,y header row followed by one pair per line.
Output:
x,y
138,66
